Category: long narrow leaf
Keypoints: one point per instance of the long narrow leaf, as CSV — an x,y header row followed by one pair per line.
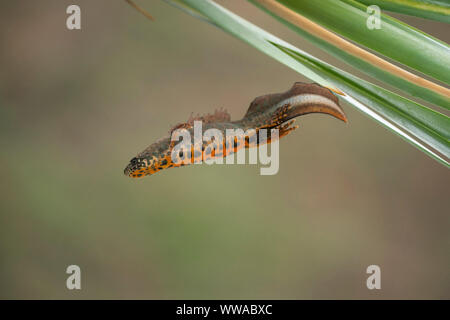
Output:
x,y
395,39
424,129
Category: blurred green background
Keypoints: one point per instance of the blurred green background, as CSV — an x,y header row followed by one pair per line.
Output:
x,y
75,106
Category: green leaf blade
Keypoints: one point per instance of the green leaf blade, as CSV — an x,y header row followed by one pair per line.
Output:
x,y
395,39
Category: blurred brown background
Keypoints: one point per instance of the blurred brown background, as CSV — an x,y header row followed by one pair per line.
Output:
x,y
75,106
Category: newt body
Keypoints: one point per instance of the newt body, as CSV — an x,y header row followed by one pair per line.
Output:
x,y
271,111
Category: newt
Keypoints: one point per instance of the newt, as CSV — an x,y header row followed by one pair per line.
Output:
x,y
270,111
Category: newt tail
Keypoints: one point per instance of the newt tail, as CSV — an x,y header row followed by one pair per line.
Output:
x,y
271,111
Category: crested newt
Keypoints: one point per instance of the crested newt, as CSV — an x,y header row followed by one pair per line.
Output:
x,y
271,111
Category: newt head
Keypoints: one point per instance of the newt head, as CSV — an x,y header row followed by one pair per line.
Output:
x,y
153,159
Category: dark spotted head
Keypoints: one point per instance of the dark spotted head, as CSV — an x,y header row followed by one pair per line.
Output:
x,y
153,159
135,166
